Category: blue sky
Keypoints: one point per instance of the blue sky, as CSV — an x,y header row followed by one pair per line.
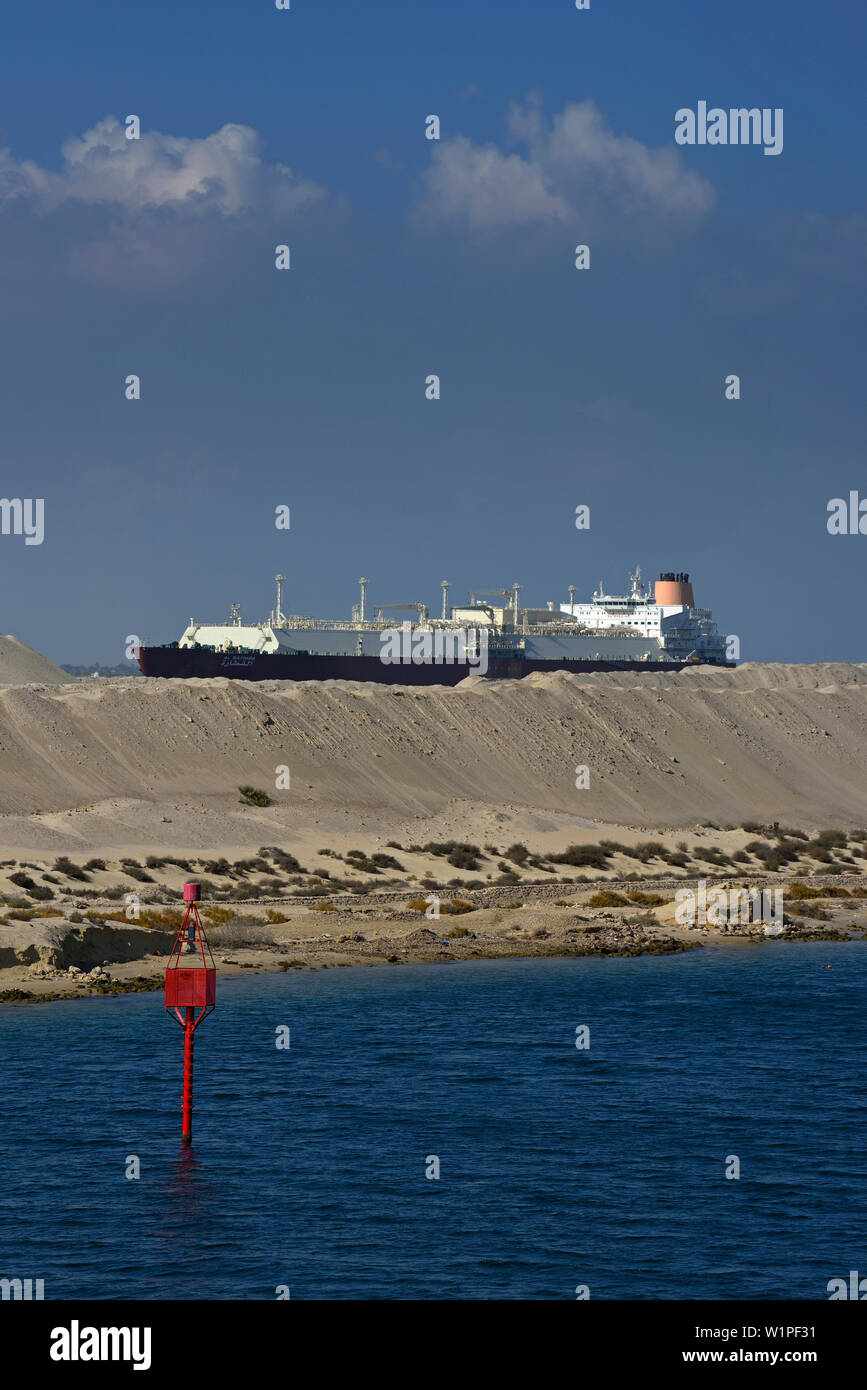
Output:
x,y
412,257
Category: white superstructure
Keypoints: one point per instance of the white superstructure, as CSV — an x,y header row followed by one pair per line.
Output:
x,y
668,615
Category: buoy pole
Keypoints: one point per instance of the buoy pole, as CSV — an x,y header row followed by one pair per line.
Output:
x,y
191,989
189,1029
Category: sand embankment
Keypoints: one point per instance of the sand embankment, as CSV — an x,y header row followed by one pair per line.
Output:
x,y
89,765
21,665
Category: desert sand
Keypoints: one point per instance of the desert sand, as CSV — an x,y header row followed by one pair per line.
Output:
x,y
21,665
105,770
100,763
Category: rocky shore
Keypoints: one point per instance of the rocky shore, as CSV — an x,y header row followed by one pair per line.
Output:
x,y
46,959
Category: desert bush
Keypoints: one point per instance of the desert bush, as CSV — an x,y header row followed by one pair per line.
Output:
x,y
69,870
606,898
710,855
831,839
323,907
457,906
254,796
649,849
458,931
219,914
96,864
386,861
220,868
792,848
772,856
41,892
245,891
461,858
459,854
275,917
519,854
646,899
240,934
814,910
170,921
280,858
641,919
417,905
582,856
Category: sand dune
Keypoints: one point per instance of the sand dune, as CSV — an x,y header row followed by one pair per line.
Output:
x,y
21,665
135,761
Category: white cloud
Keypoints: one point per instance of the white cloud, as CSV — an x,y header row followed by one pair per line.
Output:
x,y
150,213
222,173
575,172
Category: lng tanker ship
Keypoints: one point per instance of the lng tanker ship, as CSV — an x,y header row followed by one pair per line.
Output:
x,y
491,635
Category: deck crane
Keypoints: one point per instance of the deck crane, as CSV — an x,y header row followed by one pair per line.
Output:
x,y
500,593
420,608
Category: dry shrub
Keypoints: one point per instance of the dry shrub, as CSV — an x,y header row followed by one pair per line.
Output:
x,y
241,934
606,898
218,915
802,890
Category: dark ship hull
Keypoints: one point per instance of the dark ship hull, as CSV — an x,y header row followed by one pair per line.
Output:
x,y
190,662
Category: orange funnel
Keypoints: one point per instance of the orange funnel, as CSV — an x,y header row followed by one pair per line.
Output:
x,y
673,592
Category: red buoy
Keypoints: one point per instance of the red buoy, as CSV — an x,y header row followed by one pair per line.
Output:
x,y
191,986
